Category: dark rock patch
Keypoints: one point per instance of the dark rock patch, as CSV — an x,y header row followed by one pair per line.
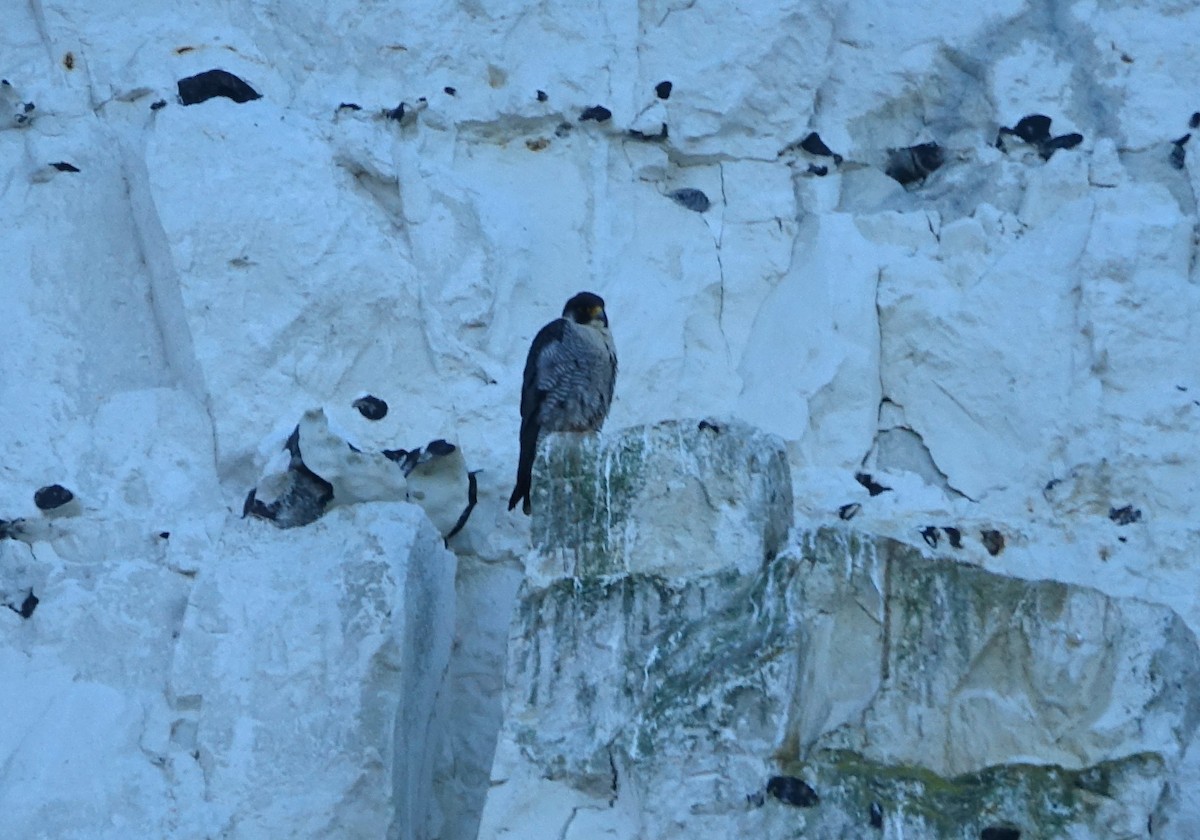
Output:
x,y
25,610
212,83
876,815
439,448
1035,130
873,486
914,164
63,166
1000,832
992,540
663,90
930,535
349,106
449,90
792,791
154,106
814,145
1063,141
52,496
849,511
954,535
1194,122
541,96
1125,515
819,171
710,426
597,112
1178,152
404,113
164,535
690,198
371,407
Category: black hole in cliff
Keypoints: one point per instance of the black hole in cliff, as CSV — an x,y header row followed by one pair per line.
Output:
x,y
914,163
663,90
814,145
371,407
52,496
1125,515
1065,141
876,815
1194,122
597,112
954,535
930,535
63,166
27,606
691,198
541,96
439,448
449,90
1034,128
792,791
873,486
1178,154
204,86
1000,832
993,541
849,511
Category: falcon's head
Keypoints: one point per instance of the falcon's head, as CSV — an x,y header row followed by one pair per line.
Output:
x,y
586,308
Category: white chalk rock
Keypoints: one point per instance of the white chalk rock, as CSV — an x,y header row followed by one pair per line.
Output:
x,y
847,683
306,674
674,498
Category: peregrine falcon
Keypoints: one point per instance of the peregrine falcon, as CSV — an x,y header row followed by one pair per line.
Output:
x,y
569,378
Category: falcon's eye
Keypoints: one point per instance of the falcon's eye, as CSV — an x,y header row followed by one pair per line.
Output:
x,y
597,311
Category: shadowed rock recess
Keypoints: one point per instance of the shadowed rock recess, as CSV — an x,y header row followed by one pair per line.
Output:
x,y
679,667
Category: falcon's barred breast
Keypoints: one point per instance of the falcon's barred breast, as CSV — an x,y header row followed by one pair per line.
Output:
x,y
569,379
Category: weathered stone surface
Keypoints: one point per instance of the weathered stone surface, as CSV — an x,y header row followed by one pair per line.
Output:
x,y
306,672
667,499
951,699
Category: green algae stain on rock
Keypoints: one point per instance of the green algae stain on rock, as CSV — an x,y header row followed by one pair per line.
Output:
x,y
583,491
1042,801
671,498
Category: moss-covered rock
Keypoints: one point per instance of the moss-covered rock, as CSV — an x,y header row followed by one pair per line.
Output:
x,y
844,687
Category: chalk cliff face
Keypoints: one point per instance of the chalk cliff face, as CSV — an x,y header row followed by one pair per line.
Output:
x,y
841,686
944,255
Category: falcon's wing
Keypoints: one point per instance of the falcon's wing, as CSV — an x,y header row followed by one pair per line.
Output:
x,y
541,367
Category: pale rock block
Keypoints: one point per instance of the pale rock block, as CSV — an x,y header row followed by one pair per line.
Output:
x,y
849,683
669,499
307,671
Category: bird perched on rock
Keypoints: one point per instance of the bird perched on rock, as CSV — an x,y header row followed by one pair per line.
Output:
x,y
569,378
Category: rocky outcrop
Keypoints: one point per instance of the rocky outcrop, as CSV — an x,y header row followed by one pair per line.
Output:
x,y
283,685
829,686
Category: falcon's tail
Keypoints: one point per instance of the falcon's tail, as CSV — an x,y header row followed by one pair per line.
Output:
x,y
520,493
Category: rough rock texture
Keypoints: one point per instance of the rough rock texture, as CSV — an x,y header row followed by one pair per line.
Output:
x,y
843,674
604,504
267,684
1007,342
